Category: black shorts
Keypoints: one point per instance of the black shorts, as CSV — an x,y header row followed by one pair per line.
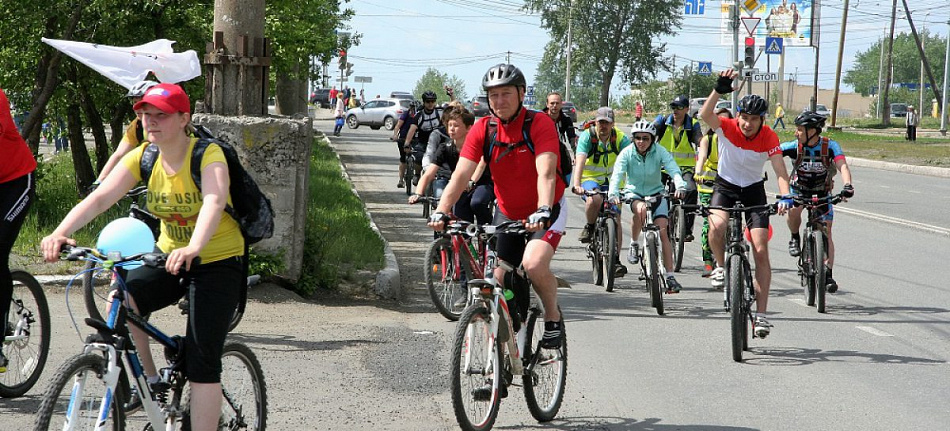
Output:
x,y
726,194
213,293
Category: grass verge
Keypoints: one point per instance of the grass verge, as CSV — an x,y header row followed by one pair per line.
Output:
x,y
339,241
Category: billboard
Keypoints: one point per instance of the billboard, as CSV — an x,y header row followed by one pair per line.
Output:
x,y
789,19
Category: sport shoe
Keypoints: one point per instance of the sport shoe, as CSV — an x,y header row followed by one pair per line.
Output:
x,y
707,269
634,255
672,286
794,248
830,284
415,180
718,277
400,184
689,238
619,269
586,233
135,401
553,334
762,327
484,393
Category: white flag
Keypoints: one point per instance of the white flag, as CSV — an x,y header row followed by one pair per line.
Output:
x,y
128,66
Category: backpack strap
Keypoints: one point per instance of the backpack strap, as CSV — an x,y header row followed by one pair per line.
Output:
x,y
197,154
147,163
827,162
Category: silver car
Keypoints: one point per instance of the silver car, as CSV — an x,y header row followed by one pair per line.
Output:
x,y
377,113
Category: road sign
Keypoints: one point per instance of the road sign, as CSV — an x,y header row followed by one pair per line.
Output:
x,y
774,45
705,68
530,91
750,24
750,5
695,7
764,77
363,79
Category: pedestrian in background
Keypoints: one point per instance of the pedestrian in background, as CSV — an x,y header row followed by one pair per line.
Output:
x,y
779,116
338,113
638,111
912,120
333,93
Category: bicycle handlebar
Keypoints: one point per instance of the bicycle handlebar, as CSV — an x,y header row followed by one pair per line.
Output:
x,y
136,192
154,260
739,209
813,201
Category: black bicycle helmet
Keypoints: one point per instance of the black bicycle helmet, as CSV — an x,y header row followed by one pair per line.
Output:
x,y
810,120
679,102
503,74
429,96
753,104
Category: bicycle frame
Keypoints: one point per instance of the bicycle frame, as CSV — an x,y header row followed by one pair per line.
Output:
x,y
737,246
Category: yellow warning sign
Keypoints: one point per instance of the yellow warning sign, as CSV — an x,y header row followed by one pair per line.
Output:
x,y
750,5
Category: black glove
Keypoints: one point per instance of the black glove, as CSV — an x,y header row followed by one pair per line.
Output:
x,y
542,215
724,85
847,191
439,217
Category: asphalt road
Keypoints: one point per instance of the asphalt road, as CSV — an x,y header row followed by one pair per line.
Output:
x,y
877,360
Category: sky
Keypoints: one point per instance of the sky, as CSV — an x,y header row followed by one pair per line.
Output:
x,y
401,38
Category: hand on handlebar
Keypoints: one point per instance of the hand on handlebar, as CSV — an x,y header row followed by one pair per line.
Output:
x,y
539,220
785,204
614,200
577,190
181,257
438,219
679,194
413,199
51,246
847,191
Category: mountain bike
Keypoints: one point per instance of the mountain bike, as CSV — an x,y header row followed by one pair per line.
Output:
x,y
738,290
677,227
458,254
651,268
413,158
603,250
97,284
26,342
89,389
811,261
492,346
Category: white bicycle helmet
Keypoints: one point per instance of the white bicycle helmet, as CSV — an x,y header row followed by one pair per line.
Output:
x,y
138,90
643,126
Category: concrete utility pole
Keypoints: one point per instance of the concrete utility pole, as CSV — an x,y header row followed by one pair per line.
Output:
x,y
238,59
946,69
735,45
923,38
567,74
923,55
834,100
816,42
886,112
880,74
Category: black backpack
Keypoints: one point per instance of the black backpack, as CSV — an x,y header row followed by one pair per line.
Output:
x,y
565,157
252,210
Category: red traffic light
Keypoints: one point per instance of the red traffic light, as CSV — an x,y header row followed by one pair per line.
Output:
x,y
750,41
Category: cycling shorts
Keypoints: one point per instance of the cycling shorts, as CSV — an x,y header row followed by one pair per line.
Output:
x,y
827,210
594,185
214,290
726,194
510,248
661,208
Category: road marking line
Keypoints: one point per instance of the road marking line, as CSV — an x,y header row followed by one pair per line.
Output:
x,y
912,224
874,331
915,192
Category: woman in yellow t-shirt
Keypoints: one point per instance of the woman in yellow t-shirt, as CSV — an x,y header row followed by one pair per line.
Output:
x,y
194,224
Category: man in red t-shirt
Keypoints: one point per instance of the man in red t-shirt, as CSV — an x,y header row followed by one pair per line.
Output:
x,y
17,193
745,144
527,188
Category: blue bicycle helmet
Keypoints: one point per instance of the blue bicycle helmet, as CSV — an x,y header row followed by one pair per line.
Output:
x,y
125,237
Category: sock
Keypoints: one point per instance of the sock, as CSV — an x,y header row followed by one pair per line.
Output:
x,y
152,379
796,237
828,271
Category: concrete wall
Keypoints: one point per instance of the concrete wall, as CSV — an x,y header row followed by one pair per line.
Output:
x,y
797,97
276,152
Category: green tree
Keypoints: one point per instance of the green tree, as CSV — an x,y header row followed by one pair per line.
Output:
x,y
615,37
436,81
863,75
585,79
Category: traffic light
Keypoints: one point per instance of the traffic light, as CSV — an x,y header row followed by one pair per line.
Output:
x,y
349,69
342,59
750,51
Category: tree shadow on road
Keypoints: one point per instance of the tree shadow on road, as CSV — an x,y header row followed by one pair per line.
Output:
x,y
285,343
617,423
795,356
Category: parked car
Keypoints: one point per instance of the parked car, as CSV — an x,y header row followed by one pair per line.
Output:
x,y
898,109
321,96
480,106
377,113
695,104
725,104
568,108
401,95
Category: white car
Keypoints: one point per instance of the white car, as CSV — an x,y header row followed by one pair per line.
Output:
x,y
377,113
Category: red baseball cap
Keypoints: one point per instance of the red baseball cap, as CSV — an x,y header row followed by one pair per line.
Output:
x,y
169,98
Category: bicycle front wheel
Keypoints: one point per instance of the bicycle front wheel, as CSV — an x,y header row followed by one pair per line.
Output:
x,y
545,374
27,345
476,371
678,235
818,260
75,395
608,254
441,278
739,323
653,275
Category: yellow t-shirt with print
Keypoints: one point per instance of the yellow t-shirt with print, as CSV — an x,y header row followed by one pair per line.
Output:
x,y
176,200
130,135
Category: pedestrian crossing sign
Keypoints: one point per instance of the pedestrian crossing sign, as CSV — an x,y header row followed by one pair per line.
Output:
x,y
774,45
705,68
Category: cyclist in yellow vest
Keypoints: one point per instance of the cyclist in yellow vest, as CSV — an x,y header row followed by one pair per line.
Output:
x,y
707,168
680,134
597,150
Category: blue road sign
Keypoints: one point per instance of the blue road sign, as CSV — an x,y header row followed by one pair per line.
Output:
x,y
705,68
774,45
695,7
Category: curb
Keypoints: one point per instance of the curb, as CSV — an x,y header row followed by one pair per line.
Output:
x,y
932,171
387,284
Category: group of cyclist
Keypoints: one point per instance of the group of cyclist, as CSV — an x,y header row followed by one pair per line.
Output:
x,y
519,151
